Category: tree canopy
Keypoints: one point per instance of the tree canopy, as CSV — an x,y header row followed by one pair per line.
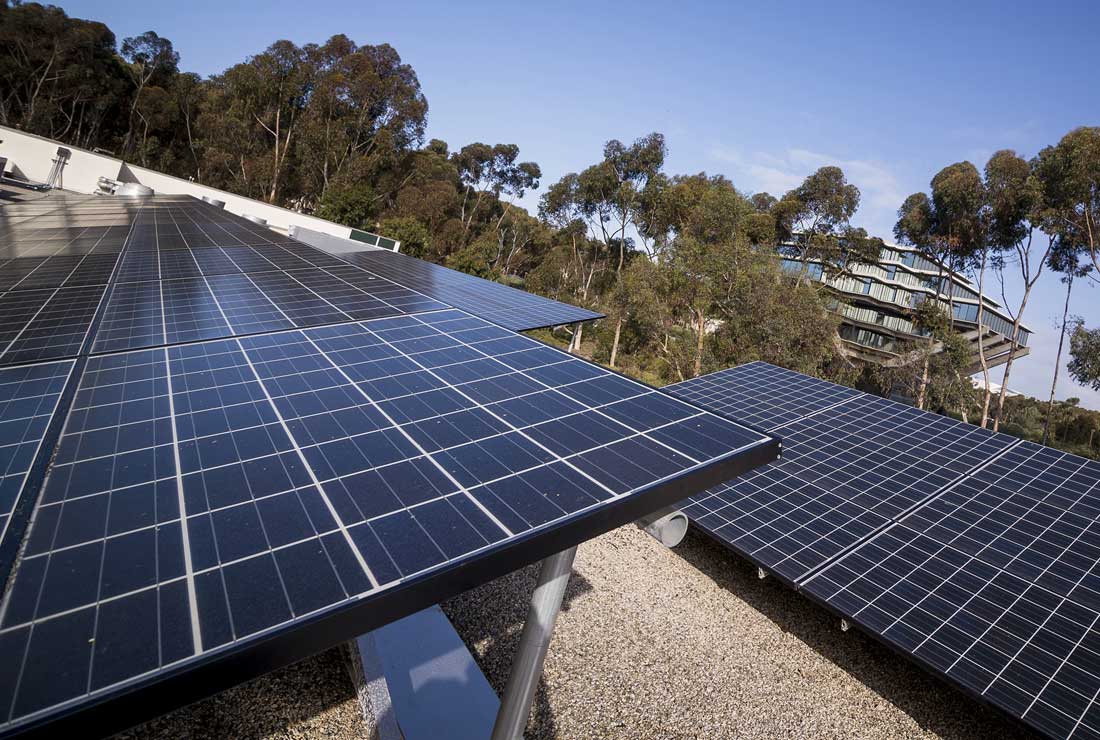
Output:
x,y
688,268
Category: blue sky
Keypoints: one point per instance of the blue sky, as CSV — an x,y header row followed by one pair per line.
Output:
x,y
763,93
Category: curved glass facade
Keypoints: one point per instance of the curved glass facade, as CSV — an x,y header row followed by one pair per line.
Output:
x,y
904,279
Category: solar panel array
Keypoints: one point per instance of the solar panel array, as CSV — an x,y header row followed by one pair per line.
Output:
x,y
511,308
255,451
976,554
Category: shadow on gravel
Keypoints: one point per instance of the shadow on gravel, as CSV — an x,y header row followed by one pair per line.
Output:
x,y
933,704
292,697
490,620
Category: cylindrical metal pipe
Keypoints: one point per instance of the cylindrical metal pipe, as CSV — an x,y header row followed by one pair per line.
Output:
x,y
515,707
255,219
213,201
668,526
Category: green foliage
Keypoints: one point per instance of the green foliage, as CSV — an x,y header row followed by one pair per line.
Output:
x,y
814,219
1073,429
61,77
767,318
1013,198
935,369
1069,178
950,226
413,235
1084,352
478,258
352,205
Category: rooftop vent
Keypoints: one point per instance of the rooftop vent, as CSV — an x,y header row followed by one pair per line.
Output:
x,y
133,190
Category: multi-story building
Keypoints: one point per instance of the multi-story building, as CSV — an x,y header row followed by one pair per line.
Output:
x,y
875,303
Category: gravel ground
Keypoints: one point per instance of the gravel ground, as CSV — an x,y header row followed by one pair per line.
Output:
x,y
652,643
311,699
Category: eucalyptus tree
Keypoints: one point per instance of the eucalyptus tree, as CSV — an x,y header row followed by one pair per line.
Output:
x,y
949,228
698,223
365,109
1016,224
491,172
426,187
611,198
618,187
1065,258
149,56
189,92
935,369
250,120
763,202
563,208
60,77
813,223
1084,352
1070,176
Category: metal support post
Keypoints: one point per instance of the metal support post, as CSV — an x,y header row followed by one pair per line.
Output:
x,y
515,707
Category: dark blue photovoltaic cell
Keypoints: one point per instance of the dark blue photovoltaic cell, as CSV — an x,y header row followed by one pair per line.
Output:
x,y
18,269
28,396
846,471
507,307
257,480
995,584
36,273
39,325
48,229
172,311
761,394
299,303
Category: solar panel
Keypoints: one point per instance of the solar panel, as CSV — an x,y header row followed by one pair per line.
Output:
x,y
37,325
28,396
315,470
852,463
975,554
508,307
31,273
762,394
994,585
198,308
276,470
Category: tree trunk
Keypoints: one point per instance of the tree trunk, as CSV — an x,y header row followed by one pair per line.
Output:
x,y
1011,357
923,383
578,335
275,172
986,393
1057,362
615,342
701,332
128,142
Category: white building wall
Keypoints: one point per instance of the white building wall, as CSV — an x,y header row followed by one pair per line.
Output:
x,y
31,157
